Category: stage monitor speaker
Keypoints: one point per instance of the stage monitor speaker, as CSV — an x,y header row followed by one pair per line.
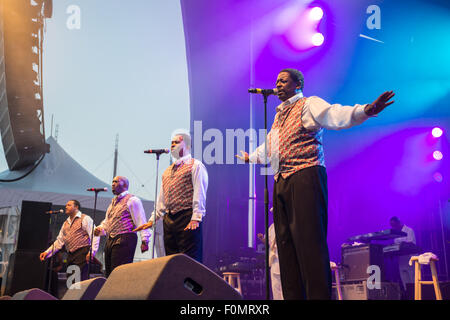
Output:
x,y
33,294
85,290
174,277
34,226
25,271
357,259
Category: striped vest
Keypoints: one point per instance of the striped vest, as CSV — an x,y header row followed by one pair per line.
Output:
x,y
177,186
119,217
296,148
74,236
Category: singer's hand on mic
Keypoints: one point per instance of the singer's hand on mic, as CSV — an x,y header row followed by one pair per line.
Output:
x,y
144,226
244,156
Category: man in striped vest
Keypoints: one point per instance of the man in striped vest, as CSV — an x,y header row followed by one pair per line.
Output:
x,y
122,216
182,201
75,235
300,194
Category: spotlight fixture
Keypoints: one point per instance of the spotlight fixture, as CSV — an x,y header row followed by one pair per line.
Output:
x,y
437,155
437,132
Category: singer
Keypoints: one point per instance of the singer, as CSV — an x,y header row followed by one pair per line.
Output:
x,y
75,235
300,194
182,201
123,215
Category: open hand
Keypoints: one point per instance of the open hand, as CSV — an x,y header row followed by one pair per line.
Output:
x,y
379,104
144,226
244,156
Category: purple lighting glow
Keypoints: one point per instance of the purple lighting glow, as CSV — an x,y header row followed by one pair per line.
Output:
x,y
437,132
299,25
437,155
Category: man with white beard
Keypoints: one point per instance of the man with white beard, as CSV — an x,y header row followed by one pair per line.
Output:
x,y
181,201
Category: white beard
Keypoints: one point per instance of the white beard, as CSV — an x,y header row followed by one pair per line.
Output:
x,y
176,152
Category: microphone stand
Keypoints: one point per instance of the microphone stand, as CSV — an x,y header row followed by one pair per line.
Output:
x,y
91,258
265,94
266,200
152,238
50,274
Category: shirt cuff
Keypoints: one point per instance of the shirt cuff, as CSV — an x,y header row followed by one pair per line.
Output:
x,y
253,157
360,114
197,216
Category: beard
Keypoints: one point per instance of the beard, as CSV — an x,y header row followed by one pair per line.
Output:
x,y
175,152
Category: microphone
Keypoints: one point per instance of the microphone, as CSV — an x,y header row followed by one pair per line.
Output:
x,y
157,151
97,189
55,211
263,91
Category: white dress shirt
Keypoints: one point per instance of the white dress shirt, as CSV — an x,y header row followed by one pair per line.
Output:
x,y
411,237
200,185
134,205
318,114
86,225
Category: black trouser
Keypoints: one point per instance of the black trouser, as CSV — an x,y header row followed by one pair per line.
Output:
x,y
119,250
300,219
176,240
78,258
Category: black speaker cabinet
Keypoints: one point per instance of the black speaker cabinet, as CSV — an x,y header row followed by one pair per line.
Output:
x,y
25,271
174,277
357,259
34,226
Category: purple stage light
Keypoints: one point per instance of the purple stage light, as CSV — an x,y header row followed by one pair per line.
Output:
x,y
316,13
437,155
317,39
437,132
299,24
438,177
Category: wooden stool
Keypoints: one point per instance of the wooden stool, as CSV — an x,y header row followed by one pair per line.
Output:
x,y
334,268
419,282
234,280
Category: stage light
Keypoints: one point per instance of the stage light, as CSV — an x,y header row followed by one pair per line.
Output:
x,y
317,39
438,177
316,14
437,155
437,132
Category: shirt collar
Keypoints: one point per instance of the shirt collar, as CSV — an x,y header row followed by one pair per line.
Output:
x,y
123,194
183,159
290,101
78,215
